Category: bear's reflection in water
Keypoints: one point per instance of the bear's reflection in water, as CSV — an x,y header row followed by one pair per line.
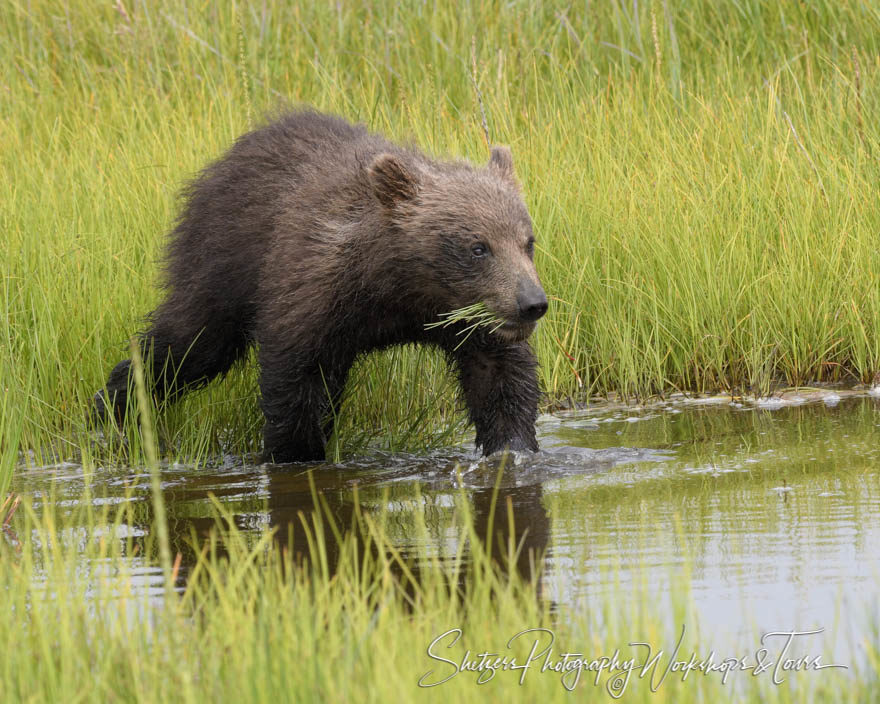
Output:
x,y
281,498
404,491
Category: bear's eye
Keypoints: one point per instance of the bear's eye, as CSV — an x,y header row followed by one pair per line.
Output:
x,y
530,246
479,250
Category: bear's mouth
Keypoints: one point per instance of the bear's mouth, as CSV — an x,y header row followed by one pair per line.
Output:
x,y
515,331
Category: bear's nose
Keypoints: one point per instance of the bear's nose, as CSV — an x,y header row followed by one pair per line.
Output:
x,y
531,301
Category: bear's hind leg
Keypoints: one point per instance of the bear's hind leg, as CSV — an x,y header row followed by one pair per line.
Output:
x,y
177,357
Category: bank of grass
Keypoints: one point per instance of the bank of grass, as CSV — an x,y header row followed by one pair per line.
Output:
x,y
250,622
702,177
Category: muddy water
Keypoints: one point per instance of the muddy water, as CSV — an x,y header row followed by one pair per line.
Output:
x,y
768,512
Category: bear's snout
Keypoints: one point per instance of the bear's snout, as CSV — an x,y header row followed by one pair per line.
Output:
x,y
531,301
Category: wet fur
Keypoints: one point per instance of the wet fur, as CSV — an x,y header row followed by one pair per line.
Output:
x,y
320,242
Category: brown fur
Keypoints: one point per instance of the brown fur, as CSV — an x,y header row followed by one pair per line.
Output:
x,y
321,242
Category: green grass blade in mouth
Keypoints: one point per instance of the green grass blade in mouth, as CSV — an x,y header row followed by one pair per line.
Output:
x,y
476,316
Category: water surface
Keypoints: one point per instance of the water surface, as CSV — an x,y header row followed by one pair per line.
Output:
x,y
769,512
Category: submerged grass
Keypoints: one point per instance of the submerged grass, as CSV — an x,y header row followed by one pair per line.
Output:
x,y
702,177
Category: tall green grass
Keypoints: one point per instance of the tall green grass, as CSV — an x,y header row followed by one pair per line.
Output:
x,y
702,176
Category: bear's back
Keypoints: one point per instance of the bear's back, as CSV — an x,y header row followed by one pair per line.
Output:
x,y
305,136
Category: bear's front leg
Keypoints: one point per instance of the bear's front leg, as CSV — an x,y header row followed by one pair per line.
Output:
x,y
500,385
299,406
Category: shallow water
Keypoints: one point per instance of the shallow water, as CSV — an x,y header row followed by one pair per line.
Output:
x,y
773,507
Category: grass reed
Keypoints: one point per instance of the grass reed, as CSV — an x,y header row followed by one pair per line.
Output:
x,y
702,178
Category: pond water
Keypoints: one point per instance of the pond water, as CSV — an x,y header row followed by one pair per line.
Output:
x,y
769,511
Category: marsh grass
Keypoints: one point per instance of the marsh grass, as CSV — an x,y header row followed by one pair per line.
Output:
x,y
703,182
249,621
702,178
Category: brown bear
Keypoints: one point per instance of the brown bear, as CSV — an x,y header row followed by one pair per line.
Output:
x,y
320,241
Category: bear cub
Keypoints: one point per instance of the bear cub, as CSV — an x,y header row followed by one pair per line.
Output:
x,y
320,241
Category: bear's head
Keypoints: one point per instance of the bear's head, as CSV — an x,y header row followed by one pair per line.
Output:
x,y
465,235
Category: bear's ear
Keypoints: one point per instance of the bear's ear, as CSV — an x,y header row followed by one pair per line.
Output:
x,y
502,162
393,181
